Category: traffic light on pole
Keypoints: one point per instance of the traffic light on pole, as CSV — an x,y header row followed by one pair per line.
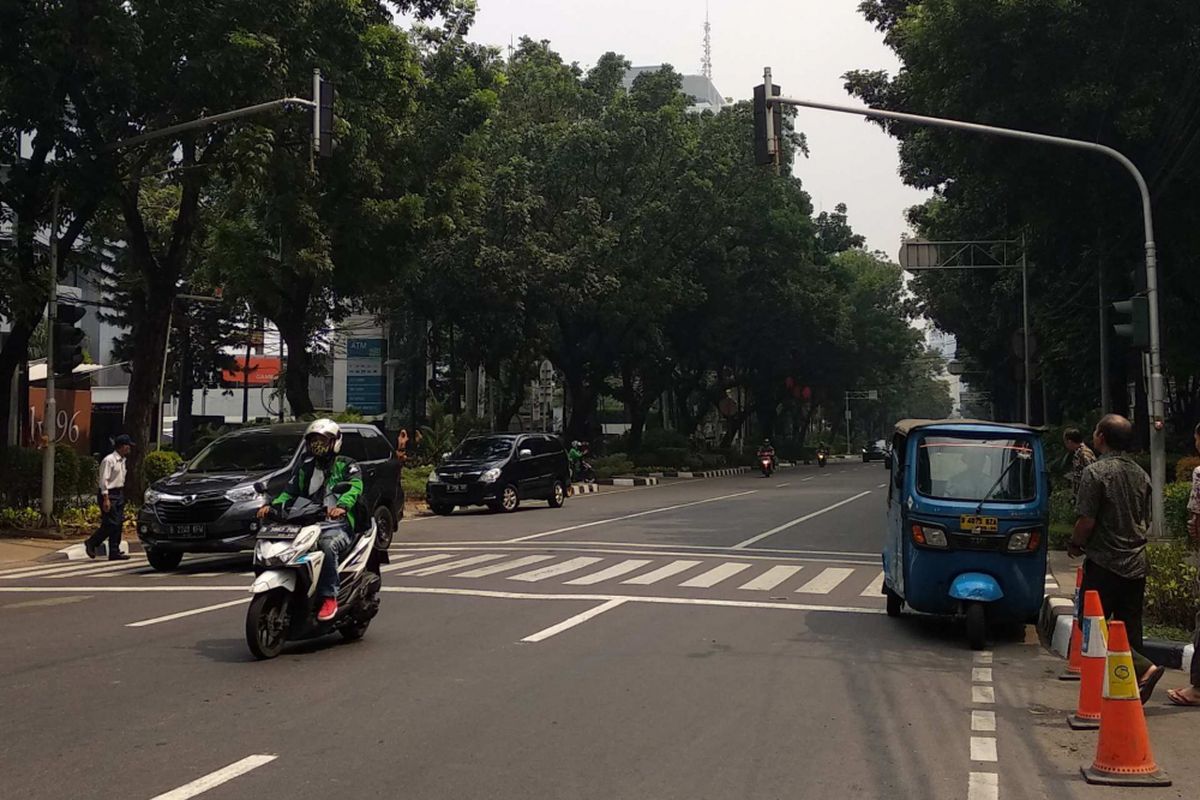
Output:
x,y
767,118
68,339
324,118
1137,330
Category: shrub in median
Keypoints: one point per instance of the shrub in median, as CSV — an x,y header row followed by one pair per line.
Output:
x,y
1172,594
1184,467
615,464
160,464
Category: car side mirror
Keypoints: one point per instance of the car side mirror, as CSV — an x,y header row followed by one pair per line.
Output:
x,y
525,453
887,460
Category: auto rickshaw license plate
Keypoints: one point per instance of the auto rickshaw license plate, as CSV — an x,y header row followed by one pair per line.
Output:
x,y
970,522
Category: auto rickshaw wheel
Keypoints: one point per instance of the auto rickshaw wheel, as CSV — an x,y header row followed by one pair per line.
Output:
x,y
895,603
976,626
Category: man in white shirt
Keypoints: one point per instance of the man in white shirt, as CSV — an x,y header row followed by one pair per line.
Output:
x,y
112,501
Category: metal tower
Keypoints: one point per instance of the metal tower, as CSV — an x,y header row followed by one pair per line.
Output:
x,y
706,63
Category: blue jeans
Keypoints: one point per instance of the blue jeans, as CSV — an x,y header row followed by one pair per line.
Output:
x,y
334,544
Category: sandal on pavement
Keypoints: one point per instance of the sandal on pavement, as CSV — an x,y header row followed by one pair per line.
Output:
x,y
1146,687
1177,699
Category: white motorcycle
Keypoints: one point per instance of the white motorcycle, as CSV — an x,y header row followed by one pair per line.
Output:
x,y
287,564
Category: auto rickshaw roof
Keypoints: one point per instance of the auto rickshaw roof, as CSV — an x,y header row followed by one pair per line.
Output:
x,y
907,426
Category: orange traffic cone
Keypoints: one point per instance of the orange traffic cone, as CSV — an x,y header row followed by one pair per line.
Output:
x,y
1074,653
1092,654
1123,756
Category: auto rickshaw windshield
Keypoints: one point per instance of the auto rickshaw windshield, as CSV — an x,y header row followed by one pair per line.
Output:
x,y
957,468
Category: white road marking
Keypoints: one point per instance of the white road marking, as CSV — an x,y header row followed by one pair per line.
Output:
x,y
983,721
797,521
571,622
781,485
665,571
608,573
826,581
190,613
770,579
683,601
668,601
415,561
981,675
983,748
881,486
73,568
516,563
49,601
809,478
715,575
571,545
540,574
983,694
629,516
875,587
983,786
215,779
983,657
453,565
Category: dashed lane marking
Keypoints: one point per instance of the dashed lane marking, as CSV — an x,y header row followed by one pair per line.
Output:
x,y
571,622
189,613
798,520
215,779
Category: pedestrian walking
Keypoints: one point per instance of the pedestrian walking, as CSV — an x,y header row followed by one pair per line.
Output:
x,y
111,497
1190,695
1081,457
1113,522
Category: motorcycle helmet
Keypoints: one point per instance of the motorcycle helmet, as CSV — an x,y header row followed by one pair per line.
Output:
x,y
323,439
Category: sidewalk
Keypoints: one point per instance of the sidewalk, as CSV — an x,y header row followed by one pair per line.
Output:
x,y
16,552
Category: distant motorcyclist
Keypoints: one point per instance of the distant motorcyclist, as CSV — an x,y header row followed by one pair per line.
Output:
x,y
317,473
575,458
766,449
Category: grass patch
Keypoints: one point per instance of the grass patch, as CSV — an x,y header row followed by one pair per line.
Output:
x,y
1060,535
1170,633
413,480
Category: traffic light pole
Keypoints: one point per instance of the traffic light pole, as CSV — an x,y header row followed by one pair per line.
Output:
x,y
1158,459
51,411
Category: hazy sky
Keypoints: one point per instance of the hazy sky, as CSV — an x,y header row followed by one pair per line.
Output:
x,y
808,44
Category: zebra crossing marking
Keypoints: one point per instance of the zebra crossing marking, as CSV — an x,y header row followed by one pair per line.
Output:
x,y
709,579
608,573
826,581
570,565
516,563
665,571
770,579
453,565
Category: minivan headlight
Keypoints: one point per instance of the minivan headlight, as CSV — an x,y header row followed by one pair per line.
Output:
x,y
491,476
243,494
151,497
434,477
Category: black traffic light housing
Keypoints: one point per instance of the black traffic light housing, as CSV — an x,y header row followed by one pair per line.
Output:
x,y
325,119
763,154
68,339
1137,308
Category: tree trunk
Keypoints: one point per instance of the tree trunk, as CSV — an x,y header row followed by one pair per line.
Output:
x,y
149,335
15,351
299,366
583,399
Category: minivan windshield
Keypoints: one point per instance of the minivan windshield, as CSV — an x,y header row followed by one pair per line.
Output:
x,y
958,468
484,448
247,451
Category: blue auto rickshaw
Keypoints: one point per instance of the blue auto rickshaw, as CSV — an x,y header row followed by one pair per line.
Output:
x,y
966,522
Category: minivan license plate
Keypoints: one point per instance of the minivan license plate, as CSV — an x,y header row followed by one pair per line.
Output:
x,y
456,488
192,531
971,522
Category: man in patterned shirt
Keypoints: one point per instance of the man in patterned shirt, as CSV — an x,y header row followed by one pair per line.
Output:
x,y
1081,456
1112,504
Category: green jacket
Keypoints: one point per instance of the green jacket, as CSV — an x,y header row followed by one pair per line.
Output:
x,y
343,470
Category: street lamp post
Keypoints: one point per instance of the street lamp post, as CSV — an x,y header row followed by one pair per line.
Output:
x,y
1158,461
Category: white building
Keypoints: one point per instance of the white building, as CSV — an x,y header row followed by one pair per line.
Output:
x,y
699,89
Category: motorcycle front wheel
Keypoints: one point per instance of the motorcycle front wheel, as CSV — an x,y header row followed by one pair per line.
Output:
x,y
266,623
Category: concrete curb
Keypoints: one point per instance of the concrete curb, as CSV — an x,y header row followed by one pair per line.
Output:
x,y
76,552
711,473
582,488
637,481
1054,628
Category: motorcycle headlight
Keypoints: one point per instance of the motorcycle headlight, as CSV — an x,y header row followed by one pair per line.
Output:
x,y
151,497
491,476
243,494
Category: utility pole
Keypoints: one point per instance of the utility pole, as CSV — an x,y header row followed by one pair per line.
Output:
x,y
1157,401
51,412
1105,383
1025,335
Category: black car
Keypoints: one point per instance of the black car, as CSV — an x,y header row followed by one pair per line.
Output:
x,y
209,506
875,451
499,471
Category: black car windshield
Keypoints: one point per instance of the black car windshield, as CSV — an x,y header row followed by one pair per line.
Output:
x,y
955,468
247,451
483,449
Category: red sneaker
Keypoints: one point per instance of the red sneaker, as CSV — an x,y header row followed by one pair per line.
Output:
x,y
328,609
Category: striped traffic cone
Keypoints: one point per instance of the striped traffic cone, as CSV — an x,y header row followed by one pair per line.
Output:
x,y
1093,655
1074,653
1123,756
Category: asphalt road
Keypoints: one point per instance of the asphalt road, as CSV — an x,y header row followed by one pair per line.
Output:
x,y
719,638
